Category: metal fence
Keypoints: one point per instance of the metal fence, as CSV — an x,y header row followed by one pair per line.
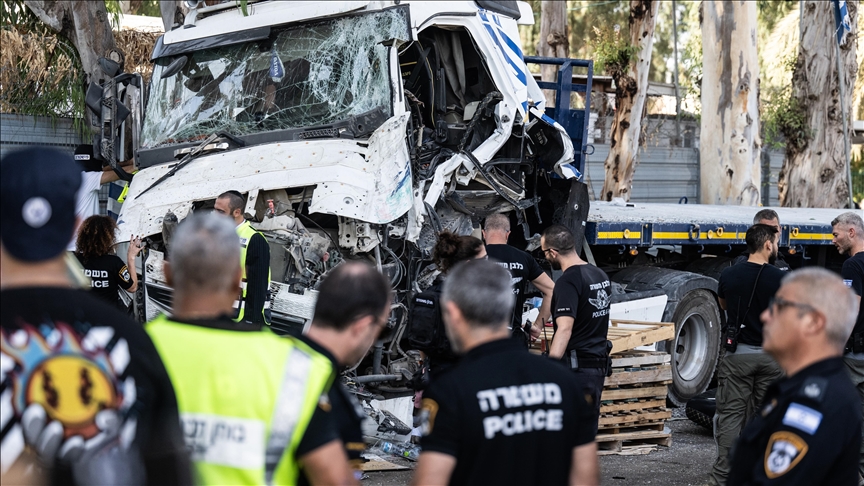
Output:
x,y
22,131
667,174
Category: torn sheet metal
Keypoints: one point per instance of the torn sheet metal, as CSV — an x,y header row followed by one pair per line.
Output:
x,y
563,166
390,196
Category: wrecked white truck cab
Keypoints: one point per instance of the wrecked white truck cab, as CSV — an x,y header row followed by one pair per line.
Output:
x,y
358,130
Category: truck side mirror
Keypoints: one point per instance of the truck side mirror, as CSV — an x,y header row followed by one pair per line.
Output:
x,y
174,67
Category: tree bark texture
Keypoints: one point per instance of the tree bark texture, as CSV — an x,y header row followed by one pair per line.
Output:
x,y
553,41
86,24
815,175
171,13
631,88
130,7
730,146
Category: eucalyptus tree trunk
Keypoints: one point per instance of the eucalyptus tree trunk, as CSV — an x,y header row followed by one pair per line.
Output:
x,y
729,144
130,7
814,170
86,24
171,12
553,41
631,88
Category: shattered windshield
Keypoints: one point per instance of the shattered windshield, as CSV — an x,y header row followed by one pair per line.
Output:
x,y
302,76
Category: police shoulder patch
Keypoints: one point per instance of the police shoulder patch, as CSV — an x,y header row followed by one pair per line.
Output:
x,y
785,450
814,389
427,416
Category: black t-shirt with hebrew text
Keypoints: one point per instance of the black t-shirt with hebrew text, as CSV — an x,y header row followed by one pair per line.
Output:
x,y
523,269
583,292
736,284
853,277
507,416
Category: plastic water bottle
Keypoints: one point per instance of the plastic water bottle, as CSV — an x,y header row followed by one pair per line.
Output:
x,y
404,450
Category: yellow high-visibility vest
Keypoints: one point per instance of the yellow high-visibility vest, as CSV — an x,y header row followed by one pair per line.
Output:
x,y
245,398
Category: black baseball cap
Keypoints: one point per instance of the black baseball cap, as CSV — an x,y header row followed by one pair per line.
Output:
x,y
38,189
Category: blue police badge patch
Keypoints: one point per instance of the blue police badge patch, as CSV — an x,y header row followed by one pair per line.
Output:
x,y
785,450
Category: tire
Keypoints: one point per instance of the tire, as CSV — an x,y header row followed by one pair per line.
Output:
x,y
696,346
712,267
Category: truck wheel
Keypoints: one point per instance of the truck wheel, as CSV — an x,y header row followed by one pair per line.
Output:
x,y
696,346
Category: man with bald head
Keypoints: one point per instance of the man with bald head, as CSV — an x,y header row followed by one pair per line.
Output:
x,y
809,427
523,268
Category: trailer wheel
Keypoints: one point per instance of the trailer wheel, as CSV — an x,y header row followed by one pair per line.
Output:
x,y
696,346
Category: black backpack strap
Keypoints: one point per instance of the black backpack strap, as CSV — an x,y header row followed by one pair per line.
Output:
x,y
734,332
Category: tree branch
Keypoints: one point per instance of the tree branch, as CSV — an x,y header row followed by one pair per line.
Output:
x,y
50,12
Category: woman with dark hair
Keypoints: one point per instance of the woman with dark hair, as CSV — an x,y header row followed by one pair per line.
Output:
x,y
427,325
451,249
95,251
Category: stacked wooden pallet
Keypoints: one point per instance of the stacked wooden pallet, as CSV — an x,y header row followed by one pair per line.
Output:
x,y
633,409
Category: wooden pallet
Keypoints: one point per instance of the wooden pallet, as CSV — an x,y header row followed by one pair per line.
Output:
x,y
633,409
627,335
634,418
633,359
625,443
624,334
631,404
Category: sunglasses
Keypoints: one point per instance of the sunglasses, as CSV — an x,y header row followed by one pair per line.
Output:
x,y
780,303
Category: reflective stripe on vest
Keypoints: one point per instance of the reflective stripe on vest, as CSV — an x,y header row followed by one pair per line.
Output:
x,y
289,404
243,418
245,231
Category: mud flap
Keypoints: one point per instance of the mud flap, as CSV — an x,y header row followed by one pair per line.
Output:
x,y
576,211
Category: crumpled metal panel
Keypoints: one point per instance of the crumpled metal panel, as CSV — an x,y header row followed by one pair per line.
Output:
x,y
370,182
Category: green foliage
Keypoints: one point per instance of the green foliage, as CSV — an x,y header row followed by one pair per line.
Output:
x,y
857,177
149,8
612,51
784,120
113,8
584,15
41,73
771,11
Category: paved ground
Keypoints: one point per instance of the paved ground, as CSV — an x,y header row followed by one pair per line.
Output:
x,y
685,463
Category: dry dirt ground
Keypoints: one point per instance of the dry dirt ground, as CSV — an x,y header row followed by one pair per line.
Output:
x,y
685,463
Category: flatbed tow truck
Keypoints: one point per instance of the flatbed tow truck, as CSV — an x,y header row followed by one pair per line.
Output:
x,y
359,129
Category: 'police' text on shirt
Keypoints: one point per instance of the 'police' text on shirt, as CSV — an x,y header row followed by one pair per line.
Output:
x,y
519,422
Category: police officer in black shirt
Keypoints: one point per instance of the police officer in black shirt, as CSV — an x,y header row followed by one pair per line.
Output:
x,y
744,373
580,313
350,293
848,232
809,427
501,415
768,217
523,269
